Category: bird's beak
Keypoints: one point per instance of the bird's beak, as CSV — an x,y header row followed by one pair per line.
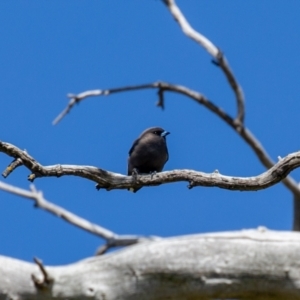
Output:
x,y
165,133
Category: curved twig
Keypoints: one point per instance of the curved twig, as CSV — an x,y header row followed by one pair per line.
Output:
x,y
215,52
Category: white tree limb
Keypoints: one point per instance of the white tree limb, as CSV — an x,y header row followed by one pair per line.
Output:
x,y
250,264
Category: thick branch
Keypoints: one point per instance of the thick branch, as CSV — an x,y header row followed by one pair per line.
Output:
x,y
109,180
250,264
112,239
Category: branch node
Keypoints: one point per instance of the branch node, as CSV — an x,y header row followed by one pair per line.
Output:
x,y
59,170
32,177
108,188
47,280
71,96
238,124
17,162
102,249
215,62
262,229
191,185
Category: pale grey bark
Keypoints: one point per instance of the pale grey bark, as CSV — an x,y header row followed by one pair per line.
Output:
x,y
249,264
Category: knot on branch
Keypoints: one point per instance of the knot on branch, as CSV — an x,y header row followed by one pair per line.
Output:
x,y
59,170
32,177
191,185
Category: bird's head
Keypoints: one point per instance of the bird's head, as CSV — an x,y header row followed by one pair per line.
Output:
x,y
156,131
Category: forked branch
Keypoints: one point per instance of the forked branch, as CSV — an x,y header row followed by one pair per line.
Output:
x,y
112,239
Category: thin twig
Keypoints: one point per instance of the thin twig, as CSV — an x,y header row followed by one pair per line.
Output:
x,y
239,120
12,166
75,99
112,239
215,52
47,279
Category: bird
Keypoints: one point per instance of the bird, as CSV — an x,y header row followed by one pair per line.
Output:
x,y
149,153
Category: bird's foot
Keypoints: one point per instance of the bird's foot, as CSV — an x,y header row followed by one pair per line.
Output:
x,y
152,174
135,174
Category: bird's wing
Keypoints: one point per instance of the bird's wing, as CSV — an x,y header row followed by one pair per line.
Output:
x,y
133,146
130,167
167,154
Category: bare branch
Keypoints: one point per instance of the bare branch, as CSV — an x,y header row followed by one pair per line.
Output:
x,y
245,133
161,86
109,180
219,57
112,239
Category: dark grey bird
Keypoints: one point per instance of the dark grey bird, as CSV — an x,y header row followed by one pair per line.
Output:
x,y
149,152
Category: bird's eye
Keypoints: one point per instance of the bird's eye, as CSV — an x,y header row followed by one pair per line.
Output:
x,y
157,132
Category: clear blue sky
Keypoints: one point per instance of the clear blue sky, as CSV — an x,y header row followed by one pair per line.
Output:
x,y
51,48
